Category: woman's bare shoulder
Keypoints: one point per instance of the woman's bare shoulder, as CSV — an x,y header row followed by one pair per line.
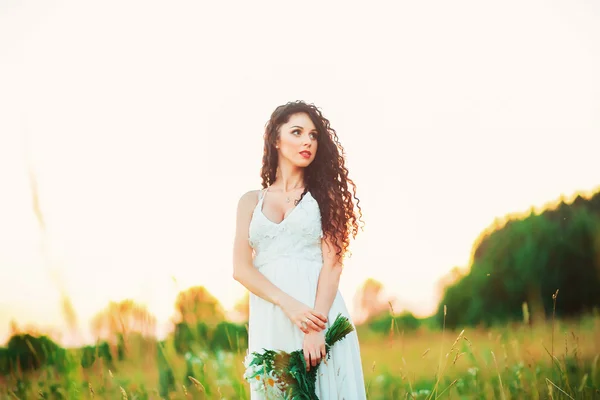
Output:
x,y
249,200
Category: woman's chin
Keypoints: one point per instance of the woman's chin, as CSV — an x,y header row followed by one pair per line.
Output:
x,y
303,163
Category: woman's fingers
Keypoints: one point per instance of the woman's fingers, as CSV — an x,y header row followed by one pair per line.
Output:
x,y
303,326
313,357
316,321
323,317
307,359
312,320
314,326
319,316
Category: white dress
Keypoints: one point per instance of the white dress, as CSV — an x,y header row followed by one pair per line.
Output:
x,y
289,255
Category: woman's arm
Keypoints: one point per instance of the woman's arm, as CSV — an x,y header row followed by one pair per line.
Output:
x,y
245,273
314,342
243,270
329,278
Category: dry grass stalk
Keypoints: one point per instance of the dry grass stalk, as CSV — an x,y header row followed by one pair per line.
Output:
x,y
499,377
559,389
197,384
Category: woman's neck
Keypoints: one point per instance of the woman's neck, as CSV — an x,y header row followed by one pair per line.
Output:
x,y
289,177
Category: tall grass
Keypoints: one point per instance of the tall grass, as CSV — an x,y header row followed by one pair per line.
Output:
x,y
509,362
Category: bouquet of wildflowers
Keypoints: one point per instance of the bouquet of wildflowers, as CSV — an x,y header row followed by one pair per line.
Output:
x,y
283,375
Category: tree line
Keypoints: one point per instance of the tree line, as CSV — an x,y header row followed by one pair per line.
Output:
x,y
518,267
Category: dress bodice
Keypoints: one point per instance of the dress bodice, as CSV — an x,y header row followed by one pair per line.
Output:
x,y
298,236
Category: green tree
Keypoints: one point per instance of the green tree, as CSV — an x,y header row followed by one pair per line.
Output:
x,y
526,261
198,313
27,352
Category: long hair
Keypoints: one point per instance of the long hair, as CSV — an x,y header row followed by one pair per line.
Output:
x,y
326,177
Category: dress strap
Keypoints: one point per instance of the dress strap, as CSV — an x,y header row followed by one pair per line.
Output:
x,y
263,193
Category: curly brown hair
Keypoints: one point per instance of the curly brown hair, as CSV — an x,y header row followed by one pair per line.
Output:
x,y
326,177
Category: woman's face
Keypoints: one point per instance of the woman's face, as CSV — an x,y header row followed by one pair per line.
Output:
x,y
297,142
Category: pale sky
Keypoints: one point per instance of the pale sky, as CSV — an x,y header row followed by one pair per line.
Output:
x,y
143,121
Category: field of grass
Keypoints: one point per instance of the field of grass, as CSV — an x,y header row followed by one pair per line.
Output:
x,y
557,360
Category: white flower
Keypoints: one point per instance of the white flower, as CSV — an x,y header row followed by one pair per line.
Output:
x,y
251,372
248,359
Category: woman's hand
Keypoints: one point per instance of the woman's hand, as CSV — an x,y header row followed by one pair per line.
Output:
x,y
303,316
314,349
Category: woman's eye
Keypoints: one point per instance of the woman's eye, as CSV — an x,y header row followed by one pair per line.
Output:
x,y
314,136
296,132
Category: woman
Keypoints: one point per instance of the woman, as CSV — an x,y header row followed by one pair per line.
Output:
x,y
290,241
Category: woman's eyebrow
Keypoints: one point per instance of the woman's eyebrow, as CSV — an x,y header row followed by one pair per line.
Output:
x,y
296,126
